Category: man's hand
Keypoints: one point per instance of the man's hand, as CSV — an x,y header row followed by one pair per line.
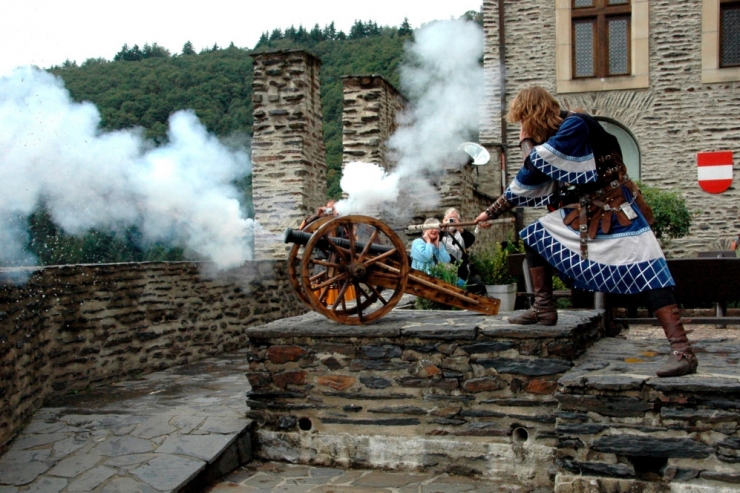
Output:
x,y
483,219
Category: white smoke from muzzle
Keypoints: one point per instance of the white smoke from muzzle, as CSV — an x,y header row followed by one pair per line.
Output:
x,y
443,80
52,151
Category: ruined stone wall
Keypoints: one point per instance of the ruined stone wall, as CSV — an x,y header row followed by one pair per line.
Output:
x,y
288,153
72,326
672,120
371,105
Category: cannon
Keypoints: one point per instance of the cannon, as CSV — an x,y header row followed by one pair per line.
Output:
x,y
354,269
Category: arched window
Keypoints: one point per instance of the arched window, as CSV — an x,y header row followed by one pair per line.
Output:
x,y
628,144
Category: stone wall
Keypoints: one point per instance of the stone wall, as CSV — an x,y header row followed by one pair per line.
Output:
x,y
371,105
672,120
288,153
444,391
73,326
621,428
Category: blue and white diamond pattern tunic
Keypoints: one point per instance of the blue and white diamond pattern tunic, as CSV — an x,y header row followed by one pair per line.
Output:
x,y
627,260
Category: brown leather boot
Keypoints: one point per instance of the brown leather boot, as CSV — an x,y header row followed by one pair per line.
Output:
x,y
543,311
682,360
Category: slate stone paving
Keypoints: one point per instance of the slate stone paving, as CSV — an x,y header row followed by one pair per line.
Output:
x,y
180,428
274,477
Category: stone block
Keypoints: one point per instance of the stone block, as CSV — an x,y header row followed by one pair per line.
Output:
x,y
648,446
286,378
336,382
284,354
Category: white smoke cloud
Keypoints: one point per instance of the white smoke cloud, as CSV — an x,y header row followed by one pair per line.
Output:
x,y
53,151
443,80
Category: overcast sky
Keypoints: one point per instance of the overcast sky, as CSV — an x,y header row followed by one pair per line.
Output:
x,y
48,32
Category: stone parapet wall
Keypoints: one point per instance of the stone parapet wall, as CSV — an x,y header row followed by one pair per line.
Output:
x,y
70,327
444,391
671,120
288,153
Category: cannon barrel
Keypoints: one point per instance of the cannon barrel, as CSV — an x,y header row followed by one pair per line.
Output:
x,y
301,238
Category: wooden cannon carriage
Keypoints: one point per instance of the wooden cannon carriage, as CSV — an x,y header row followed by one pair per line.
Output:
x,y
354,270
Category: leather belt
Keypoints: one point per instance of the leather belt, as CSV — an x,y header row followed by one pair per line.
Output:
x,y
588,230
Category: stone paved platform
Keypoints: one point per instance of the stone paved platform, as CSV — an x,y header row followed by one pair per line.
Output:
x,y
177,429
184,429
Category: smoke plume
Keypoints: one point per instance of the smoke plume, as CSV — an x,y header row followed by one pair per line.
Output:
x,y
443,80
52,151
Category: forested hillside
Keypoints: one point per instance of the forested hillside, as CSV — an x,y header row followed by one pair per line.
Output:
x,y
142,87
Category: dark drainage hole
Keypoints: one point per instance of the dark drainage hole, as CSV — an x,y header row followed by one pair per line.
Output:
x,y
519,435
648,467
304,424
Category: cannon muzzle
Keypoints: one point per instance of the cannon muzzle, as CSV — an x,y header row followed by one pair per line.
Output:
x,y
301,238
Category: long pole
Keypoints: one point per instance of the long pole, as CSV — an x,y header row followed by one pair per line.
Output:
x,y
422,227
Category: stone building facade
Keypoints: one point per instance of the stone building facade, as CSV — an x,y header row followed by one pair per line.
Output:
x,y
675,103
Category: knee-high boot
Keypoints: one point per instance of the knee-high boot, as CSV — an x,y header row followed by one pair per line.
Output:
x,y
682,359
543,311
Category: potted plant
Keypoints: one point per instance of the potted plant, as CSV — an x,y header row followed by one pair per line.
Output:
x,y
491,264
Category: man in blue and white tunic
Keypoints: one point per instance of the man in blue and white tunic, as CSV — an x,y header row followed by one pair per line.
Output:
x,y
597,232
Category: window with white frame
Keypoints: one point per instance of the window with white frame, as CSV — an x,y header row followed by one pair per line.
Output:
x,y
602,45
600,31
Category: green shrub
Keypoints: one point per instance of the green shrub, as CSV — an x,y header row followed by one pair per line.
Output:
x,y
672,217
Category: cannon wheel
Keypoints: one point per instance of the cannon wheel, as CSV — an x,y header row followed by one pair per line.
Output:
x,y
295,257
378,280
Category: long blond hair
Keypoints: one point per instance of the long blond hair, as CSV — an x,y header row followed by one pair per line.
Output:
x,y
538,112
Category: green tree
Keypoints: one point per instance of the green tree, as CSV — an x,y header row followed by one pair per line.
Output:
x,y
672,217
405,29
330,32
473,16
357,30
276,35
187,49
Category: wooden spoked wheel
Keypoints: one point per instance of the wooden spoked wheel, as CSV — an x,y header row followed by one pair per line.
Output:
x,y
357,269
295,257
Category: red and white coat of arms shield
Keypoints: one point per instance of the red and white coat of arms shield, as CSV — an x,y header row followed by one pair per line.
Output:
x,y
715,170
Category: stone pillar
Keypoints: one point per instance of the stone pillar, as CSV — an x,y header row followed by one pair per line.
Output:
x,y
371,104
288,153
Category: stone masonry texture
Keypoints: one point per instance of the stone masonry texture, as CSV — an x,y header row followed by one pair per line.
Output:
x,y
450,392
70,327
671,120
370,108
288,154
